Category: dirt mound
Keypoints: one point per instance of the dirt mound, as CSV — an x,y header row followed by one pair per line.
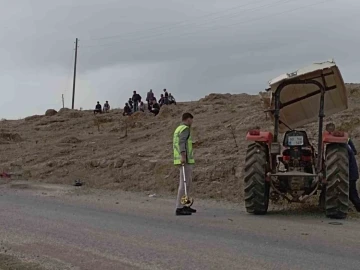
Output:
x,y
33,117
64,110
139,115
135,153
68,113
354,89
50,112
169,111
103,118
216,97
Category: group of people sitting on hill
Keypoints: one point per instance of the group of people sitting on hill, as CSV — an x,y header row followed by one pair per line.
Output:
x,y
135,103
99,109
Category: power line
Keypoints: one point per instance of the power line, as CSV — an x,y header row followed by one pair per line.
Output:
x,y
273,4
226,26
175,24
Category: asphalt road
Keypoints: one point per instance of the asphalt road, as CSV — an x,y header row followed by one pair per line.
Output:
x,y
60,230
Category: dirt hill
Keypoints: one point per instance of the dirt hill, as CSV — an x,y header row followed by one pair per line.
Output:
x,y
135,153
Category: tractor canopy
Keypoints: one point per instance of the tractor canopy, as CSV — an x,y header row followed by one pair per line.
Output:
x,y
300,103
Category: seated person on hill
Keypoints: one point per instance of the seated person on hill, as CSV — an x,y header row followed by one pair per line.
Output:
x,y
171,99
106,107
166,97
161,100
155,108
142,107
98,108
130,103
127,110
166,93
150,103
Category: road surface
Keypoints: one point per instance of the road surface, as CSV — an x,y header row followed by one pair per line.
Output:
x,y
54,227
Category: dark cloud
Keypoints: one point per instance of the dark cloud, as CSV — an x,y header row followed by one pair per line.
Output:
x,y
237,50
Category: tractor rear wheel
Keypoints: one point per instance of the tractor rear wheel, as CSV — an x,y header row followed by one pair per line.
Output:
x,y
337,179
256,188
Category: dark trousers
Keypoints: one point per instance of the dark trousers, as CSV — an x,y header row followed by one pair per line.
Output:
x,y
136,106
353,195
155,111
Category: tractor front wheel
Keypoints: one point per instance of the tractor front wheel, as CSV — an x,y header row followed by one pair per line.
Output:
x,y
256,188
337,178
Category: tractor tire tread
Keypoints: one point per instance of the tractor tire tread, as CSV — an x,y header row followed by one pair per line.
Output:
x,y
337,176
256,188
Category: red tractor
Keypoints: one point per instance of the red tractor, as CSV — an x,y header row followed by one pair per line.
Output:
x,y
292,169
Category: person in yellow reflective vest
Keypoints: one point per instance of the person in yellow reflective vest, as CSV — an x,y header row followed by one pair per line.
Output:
x,y
183,156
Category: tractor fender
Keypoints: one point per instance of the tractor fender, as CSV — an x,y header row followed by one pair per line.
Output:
x,y
264,137
339,138
261,136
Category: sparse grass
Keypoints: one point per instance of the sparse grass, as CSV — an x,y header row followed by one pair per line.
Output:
x,y
126,120
348,126
11,137
233,134
104,119
355,91
8,262
128,123
231,108
97,123
99,120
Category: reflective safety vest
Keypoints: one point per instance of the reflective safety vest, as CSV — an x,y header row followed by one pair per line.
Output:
x,y
176,146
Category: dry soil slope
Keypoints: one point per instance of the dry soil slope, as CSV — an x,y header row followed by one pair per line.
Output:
x,y
78,145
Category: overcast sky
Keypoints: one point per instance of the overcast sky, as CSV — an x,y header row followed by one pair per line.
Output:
x,y
192,48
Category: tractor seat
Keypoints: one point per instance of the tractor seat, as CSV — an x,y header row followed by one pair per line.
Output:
x,y
296,134
296,138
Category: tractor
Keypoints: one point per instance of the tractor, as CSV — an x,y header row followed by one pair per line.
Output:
x,y
291,168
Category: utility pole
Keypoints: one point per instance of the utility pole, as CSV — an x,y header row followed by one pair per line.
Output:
x,y
63,103
74,78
